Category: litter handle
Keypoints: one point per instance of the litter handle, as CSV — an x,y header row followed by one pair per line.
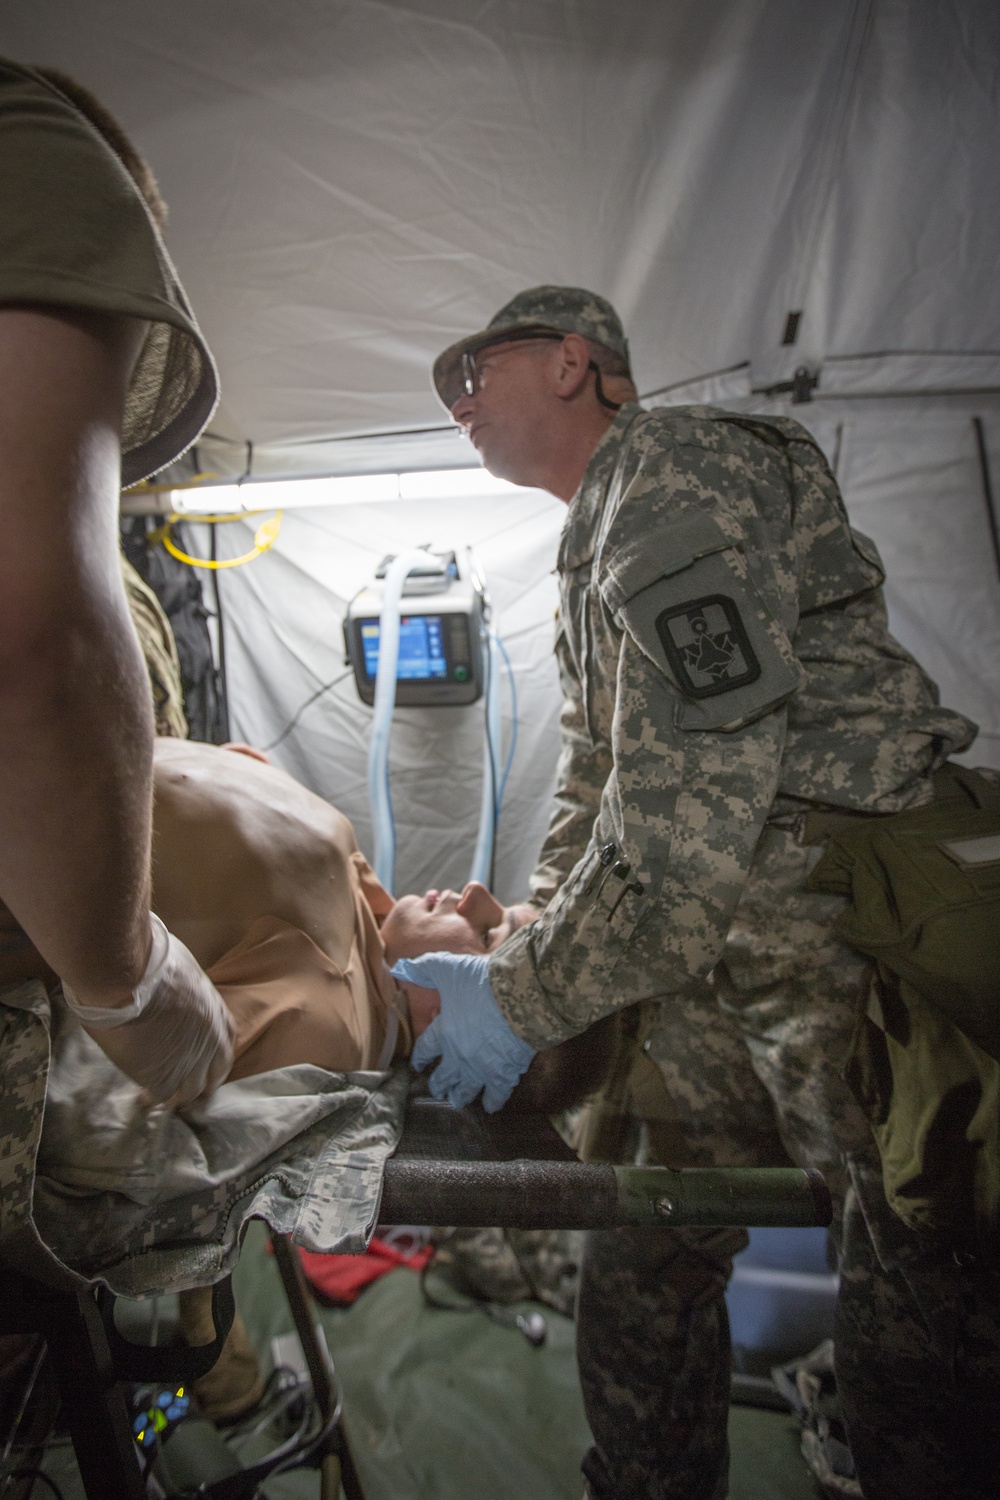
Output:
x,y
588,1195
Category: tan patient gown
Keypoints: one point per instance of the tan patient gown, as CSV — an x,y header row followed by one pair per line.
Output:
x,y
291,1003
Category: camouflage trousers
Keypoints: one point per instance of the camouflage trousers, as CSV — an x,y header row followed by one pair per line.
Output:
x,y
744,1071
917,1357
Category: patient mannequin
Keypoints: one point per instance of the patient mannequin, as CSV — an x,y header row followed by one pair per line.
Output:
x,y
265,884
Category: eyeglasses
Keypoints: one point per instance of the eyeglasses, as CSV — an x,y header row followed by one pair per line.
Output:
x,y
470,374
472,380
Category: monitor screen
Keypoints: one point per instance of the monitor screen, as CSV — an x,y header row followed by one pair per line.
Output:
x,y
421,648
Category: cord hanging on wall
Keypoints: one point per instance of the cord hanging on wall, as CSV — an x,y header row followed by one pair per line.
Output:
x,y
264,539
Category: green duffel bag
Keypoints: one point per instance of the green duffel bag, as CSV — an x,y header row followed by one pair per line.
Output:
x,y
924,888
925,895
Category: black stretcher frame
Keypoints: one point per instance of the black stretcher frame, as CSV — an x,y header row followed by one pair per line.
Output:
x,y
456,1167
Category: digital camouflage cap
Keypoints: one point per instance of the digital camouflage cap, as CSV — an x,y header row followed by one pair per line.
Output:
x,y
545,309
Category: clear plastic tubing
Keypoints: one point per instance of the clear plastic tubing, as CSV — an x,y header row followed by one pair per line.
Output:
x,y
482,859
385,702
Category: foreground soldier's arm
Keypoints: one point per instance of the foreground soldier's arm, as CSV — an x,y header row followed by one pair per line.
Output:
x,y
104,379
75,723
694,772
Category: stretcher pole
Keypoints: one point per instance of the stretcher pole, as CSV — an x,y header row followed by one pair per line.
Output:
x,y
588,1195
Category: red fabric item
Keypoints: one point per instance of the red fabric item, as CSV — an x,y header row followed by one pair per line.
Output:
x,y
342,1278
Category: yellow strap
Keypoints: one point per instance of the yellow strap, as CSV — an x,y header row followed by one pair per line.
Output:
x,y
264,539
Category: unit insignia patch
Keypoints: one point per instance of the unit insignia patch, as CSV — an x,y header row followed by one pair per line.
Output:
x,y
707,646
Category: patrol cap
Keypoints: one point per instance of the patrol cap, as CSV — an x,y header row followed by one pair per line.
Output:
x,y
541,309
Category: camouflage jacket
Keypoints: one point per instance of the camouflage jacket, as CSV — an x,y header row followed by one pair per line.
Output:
x,y
724,658
94,1185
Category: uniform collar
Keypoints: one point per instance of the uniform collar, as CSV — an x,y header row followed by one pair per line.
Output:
x,y
579,533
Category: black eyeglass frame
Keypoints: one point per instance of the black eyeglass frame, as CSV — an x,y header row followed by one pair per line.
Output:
x,y
469,371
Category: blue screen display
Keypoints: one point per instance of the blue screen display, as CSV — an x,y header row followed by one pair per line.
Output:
x,y
421,648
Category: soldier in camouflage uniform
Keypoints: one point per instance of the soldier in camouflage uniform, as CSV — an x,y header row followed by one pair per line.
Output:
x,y
726,667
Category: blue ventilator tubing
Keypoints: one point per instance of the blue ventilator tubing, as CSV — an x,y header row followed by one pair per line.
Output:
x,y
489,807
494,780
384,829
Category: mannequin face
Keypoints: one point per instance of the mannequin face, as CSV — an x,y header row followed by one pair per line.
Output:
x,y
470,921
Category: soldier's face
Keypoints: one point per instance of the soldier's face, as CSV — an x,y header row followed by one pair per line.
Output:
x,y
507,418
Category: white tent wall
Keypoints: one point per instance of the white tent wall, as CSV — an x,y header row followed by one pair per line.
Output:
x,y
913,482
283,619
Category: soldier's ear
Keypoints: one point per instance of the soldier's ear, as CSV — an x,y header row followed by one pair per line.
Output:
x,y
571,366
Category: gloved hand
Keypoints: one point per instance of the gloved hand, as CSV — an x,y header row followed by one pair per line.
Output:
x,y
477,1048
176,1035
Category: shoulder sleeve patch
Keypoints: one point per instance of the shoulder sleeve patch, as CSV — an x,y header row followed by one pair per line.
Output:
x,y
712,635
708,646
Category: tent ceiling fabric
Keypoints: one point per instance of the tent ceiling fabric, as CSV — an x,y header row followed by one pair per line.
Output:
x,y
356,183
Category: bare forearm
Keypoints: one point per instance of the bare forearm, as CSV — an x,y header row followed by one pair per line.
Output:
x,y
75,720
76,746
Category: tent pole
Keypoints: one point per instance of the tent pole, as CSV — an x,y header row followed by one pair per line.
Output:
x,y
988,496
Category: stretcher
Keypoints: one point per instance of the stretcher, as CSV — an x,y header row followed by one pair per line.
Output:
x,y
455,1167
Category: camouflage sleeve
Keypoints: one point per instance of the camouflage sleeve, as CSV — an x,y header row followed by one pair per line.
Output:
x,y
704,670
584,766
159,650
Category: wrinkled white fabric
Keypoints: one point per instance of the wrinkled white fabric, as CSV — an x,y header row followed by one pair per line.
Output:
x,y
152,1200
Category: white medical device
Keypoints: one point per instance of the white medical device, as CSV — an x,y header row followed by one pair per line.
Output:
x,y
419,636
441,654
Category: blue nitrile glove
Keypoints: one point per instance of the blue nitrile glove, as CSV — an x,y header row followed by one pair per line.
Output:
x,y
477,1048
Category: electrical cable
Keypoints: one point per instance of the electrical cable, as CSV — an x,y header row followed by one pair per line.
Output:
x,y
264,539
283,1387
27,1392
221,679
302,708
286,1399
34,1475
299,1449
483,858
532,1325
495,780
282,1379
292,1446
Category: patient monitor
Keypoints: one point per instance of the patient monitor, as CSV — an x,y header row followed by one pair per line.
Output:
x,y
442,629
